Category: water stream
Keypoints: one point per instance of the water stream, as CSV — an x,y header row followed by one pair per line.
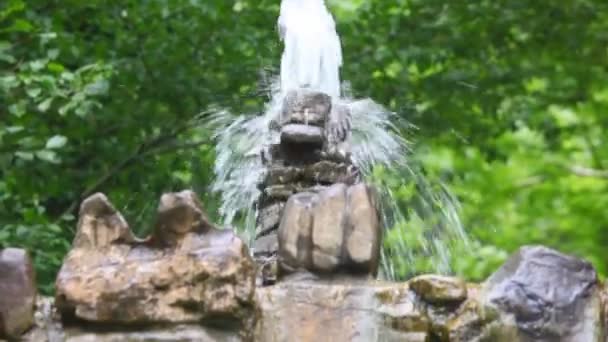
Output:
x,y
426,227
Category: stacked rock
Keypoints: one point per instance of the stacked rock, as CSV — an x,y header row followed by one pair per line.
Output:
x,y
310,189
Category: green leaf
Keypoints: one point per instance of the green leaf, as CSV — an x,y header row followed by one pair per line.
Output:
x,y
47,155
55,142
25,155
45,105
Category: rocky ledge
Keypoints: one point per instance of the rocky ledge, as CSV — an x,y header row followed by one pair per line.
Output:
x,y
538,295
188,271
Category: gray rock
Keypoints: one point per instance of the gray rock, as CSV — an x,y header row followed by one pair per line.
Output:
x,y
269,218
338,128
306,107
266,245
302,134
17,292
550,295
328,228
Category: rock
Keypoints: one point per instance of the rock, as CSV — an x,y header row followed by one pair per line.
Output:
x,y
267,269
280,192
329,219
201,274
282,175
50,329
313,311
269,218
337,228
438,289
266,245
302,134
17,292
327,172
179,214
339,126
306,107
473,322
363,233
100,224
295,244
551,296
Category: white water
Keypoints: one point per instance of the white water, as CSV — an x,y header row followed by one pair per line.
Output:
x,y
312,56
312,59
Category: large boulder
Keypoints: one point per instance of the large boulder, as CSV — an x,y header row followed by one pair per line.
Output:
x,y
17,292
188,271
334,230
548,295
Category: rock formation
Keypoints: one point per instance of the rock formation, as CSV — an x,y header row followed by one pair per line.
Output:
x,y
314,214
188,271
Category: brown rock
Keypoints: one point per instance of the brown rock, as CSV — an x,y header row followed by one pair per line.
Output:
x,y
328,228
17,292
309,311
282,175
335,228
364,236
439,289
280,192
100,224
329,172
295,231
179,214
208,275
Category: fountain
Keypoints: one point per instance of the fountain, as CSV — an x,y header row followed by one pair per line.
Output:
x,y
301,177
357,134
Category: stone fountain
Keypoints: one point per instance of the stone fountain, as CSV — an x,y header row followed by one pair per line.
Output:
x,y
315,261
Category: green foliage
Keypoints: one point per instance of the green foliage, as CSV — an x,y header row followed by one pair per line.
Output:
x,y
509,98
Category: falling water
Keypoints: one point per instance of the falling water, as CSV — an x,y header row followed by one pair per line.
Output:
x,y
424,228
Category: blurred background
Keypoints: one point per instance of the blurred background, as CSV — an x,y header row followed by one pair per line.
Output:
x,y
509,100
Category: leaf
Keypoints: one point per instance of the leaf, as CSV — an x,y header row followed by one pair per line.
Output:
x,y
25,155
56,142
47,155
45,105
33,92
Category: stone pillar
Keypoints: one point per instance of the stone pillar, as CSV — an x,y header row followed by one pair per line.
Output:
x,y
310,175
